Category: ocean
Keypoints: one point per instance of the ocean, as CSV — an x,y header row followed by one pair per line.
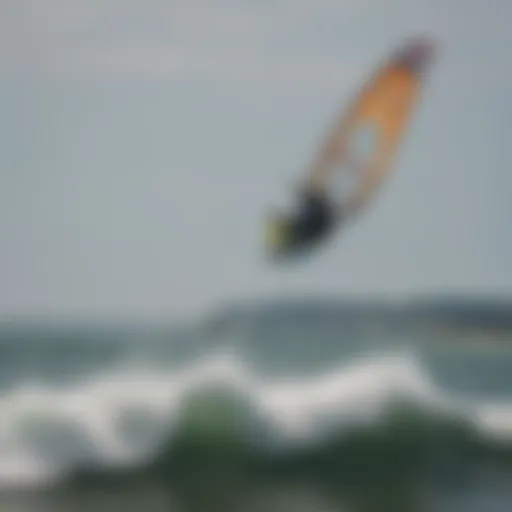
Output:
x,y
313,407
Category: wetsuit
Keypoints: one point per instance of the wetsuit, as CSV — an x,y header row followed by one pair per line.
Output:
x,y
314,220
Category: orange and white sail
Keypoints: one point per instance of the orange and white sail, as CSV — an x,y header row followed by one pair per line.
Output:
x,y
384,105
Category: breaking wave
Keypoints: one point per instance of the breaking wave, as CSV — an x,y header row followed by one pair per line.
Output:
x,y
140,417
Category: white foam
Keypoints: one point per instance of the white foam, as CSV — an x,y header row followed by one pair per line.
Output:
x,y
494,420
298,408
19,469
358,393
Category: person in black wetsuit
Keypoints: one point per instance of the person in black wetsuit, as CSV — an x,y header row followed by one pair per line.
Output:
x,y
314,220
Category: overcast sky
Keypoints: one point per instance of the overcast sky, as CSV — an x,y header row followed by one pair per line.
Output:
x,y
142,143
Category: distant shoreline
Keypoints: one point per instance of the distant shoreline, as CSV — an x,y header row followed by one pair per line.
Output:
x,y
464,317
454,316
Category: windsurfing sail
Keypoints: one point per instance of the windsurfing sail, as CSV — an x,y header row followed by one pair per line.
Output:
x,y
382,108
